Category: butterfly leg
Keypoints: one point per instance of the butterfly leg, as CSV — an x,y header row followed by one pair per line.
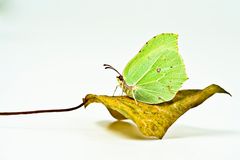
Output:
x,y
115,90
122,89
134,98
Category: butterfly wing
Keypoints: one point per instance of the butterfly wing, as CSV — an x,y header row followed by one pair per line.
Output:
x,y
157,70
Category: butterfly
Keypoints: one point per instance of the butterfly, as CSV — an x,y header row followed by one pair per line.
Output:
x,y
156,73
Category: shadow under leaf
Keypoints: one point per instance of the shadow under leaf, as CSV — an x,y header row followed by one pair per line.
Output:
x,y
185,131
124,129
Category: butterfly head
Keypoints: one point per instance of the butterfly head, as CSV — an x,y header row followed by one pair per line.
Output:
x,y
120,79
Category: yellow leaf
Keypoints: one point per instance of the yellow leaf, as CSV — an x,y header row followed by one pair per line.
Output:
x,y
154,120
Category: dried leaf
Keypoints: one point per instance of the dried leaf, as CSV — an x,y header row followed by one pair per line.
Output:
x,y
154,120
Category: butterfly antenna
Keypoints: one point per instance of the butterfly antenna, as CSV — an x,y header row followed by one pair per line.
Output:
x,y
107,66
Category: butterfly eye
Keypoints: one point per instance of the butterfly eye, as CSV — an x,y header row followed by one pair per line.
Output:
x,y
120,78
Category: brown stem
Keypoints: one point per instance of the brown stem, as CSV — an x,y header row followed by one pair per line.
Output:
x,y
41,111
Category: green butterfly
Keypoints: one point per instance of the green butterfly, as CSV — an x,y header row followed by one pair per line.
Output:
x,y
156,73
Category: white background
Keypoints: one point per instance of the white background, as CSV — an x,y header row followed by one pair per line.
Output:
x,y
51,56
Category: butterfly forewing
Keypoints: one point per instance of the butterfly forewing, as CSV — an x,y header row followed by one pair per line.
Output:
x,y
157,70
147,56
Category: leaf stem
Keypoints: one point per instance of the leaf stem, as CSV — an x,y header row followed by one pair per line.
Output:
x,y
41,111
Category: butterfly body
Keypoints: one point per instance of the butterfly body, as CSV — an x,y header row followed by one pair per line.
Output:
x,y
129,90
